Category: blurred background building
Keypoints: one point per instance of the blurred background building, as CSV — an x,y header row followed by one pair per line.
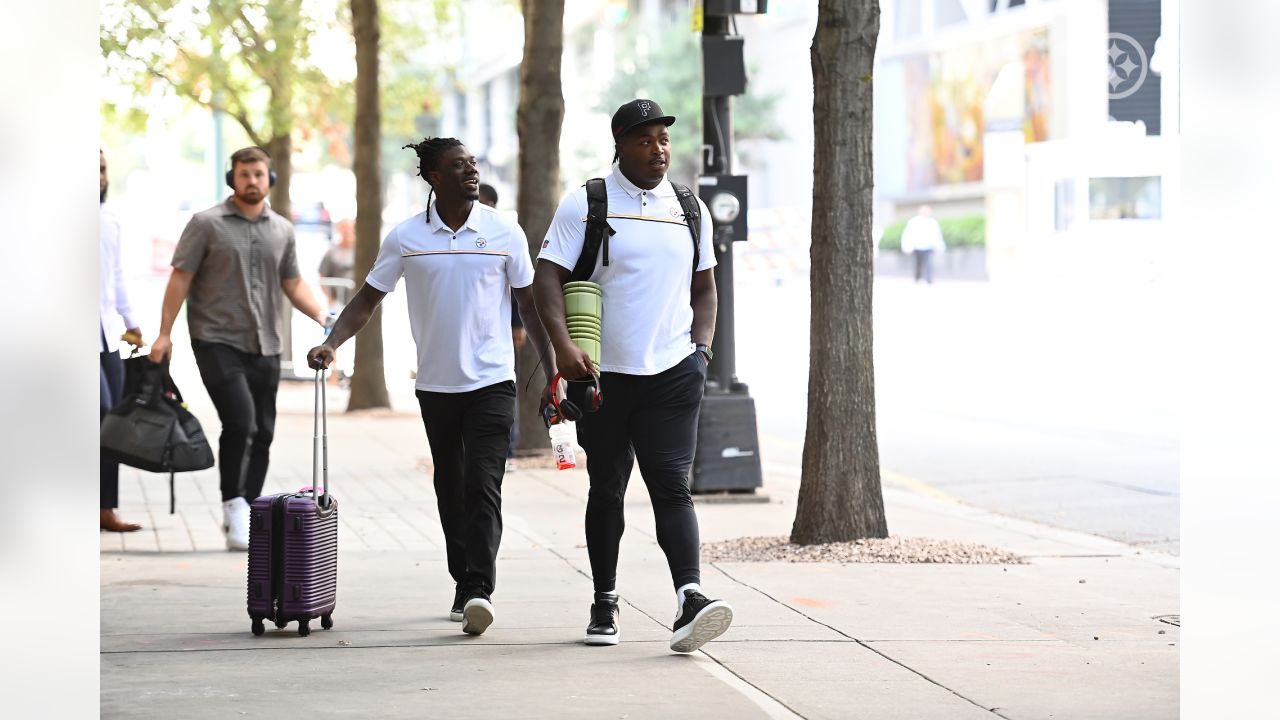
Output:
x,y
1052,122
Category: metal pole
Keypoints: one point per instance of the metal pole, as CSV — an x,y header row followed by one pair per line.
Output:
x,y
717,134
727,454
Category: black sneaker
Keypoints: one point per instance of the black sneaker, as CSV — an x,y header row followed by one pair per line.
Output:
x,y
459,598
699,622
603,629
477,615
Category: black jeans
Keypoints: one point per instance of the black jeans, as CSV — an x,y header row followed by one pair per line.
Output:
x,y
652,419
243,389
110,391
468,434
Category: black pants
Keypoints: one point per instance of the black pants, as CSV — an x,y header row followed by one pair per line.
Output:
x,y
243,389
468,436
110,390
924,265
652,419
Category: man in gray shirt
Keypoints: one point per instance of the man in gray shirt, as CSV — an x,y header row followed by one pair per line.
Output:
x,y
230,265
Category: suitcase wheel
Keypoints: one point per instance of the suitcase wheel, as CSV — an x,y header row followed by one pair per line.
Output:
x,y
326,621
258,626
304,627
280,624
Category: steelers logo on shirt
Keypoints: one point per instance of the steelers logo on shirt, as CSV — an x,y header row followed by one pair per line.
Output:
x,y
481,242
677,213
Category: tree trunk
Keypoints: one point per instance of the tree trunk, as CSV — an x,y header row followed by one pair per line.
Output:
x,y
538,120
840,497
280,148
368,384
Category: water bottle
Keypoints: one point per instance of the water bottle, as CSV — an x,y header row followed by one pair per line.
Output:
x,y
562,437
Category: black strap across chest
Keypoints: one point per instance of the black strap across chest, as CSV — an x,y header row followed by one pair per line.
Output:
x,y
598,230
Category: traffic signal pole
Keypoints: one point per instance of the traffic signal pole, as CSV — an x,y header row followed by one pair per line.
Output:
x,y
727,458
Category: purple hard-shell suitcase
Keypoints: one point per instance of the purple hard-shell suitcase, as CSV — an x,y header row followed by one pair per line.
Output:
x,y
293,546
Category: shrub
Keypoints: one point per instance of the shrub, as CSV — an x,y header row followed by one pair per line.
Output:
x,y
957,232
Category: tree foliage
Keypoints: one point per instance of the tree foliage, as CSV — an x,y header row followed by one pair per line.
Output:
x,y
667,67
250,59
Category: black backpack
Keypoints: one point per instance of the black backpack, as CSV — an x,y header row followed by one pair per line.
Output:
x,y
598,230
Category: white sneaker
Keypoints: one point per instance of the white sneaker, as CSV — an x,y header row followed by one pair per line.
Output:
x,y
235,523
478,616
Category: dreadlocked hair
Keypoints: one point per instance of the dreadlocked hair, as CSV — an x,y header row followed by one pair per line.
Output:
x,y
429,152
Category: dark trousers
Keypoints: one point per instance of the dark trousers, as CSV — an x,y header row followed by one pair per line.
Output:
x,y
468,435
652,419
110,390
243,388
924,265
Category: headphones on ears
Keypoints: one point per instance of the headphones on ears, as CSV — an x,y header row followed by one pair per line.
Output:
x,y
566,409
230,176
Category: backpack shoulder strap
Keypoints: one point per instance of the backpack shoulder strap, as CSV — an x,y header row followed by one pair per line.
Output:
x,y
597,232
692,218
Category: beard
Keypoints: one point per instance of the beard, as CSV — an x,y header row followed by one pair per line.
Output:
x,y
102,193
250,195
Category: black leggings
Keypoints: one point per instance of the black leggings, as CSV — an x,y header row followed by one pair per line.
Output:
x,y
243,388
468,434
652,419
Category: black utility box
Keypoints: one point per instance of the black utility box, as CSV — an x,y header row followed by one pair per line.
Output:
x,y
728,453
724,71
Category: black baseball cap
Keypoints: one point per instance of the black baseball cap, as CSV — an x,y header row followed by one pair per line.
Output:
x,y
638,112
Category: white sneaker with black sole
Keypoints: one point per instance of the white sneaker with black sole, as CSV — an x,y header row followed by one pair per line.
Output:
x,y
477,616
700,621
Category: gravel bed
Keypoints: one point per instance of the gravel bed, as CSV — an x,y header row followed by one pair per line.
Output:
x,y
892,549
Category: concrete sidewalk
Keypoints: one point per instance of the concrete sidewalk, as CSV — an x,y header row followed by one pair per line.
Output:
x,y
1076,633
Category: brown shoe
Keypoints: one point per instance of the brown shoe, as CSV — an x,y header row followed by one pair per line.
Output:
x,y
111,523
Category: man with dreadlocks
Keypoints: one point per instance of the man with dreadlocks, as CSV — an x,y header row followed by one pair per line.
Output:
x,y
459,260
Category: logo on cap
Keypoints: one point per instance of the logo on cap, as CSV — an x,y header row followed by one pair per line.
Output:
x,y
644,109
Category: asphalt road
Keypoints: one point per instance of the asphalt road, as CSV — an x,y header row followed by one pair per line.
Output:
x,y
1047,400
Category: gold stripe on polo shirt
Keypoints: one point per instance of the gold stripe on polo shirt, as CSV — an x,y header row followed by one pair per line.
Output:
x,y
646,218
415,253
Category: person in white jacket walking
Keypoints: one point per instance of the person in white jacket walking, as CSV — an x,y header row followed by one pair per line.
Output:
x,y
922,237
113,300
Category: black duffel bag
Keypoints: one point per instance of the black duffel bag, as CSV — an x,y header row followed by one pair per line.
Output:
x,y
151,428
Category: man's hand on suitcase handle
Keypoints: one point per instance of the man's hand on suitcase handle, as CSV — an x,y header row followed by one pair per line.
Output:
x,y
320,357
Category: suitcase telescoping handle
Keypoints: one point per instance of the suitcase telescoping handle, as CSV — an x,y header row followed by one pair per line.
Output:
x,y
320,445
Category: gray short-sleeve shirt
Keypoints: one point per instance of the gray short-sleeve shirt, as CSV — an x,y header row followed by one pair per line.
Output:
x,y
238,263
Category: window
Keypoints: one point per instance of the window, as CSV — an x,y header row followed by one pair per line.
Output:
x,y
948,12
1064,204
1124,198
906,19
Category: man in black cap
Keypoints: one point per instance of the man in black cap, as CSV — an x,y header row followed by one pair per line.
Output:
x,y
655,273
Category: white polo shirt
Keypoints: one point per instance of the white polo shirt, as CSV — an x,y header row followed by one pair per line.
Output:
x,y
647,319
459,291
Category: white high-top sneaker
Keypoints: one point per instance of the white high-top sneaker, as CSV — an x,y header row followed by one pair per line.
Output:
x,y
235,523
